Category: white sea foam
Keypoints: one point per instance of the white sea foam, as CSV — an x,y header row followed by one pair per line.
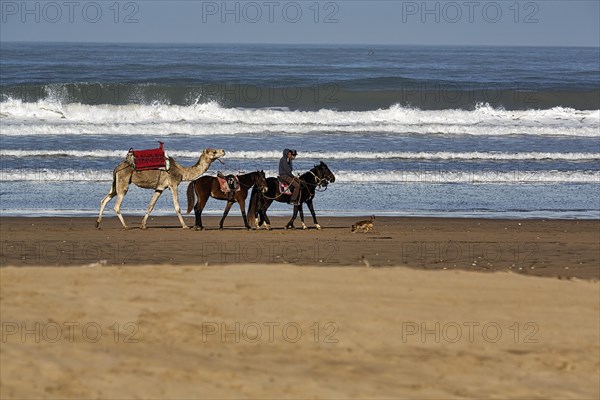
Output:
x,y
393,177
449,176
334,155
43,175
54,118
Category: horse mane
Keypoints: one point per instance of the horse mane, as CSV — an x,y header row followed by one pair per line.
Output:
x,y
308,173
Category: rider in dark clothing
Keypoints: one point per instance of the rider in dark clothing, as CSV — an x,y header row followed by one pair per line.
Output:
x,y
285,174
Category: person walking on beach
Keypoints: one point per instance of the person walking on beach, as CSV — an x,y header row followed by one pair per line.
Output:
x,y
285,174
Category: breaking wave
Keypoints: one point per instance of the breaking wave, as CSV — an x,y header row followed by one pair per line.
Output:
x,y
54,118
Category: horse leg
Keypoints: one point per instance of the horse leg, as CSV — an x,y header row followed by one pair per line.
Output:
x,y
290,224
264,218
176,205
198,208
309,203
258,215
302,217
198,213
253,207
258,220
227,208
112,193
242,204
153,201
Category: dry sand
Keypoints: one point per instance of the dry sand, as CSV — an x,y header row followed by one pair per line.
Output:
x,y
275,331
118,329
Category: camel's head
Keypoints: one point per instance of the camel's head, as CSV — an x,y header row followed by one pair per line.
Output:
x,y
213,154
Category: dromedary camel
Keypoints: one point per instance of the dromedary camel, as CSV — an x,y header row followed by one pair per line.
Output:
x,y
155,179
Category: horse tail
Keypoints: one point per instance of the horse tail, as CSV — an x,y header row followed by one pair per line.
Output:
x,y
191,197
253,204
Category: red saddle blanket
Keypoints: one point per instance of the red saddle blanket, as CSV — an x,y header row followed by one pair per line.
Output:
x,y
224,183
149,159
284,188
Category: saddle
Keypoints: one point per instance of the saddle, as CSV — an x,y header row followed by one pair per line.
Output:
x,y
144,160
284,188
229,183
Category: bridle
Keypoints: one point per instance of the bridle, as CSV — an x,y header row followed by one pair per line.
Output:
x,y
320,182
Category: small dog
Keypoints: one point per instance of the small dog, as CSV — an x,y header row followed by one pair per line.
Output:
x,y
365,226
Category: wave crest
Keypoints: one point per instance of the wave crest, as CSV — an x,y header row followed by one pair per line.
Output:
x,y
55,118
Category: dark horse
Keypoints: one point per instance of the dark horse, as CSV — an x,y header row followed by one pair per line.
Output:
x,y
208,186
318,176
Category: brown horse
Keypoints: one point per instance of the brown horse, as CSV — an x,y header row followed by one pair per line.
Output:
x,y
208,186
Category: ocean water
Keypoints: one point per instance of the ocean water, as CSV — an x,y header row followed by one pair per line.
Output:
x,y
435,131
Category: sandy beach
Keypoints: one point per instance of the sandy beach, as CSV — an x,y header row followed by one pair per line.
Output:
x,y
471,132
280,331
88,313
551,248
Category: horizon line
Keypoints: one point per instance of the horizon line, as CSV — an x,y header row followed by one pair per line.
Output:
x,y
293,44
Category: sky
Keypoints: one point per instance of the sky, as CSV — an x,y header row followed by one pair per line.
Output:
x,y
462,22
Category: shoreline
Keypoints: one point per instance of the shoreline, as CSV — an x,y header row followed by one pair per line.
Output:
x,y
589,215
549,248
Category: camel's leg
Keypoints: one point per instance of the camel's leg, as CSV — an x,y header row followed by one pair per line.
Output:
x,y
153,201
177,209
227,208
112,193
309,203
117,208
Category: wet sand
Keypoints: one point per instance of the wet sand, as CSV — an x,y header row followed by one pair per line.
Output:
x,y
563,248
